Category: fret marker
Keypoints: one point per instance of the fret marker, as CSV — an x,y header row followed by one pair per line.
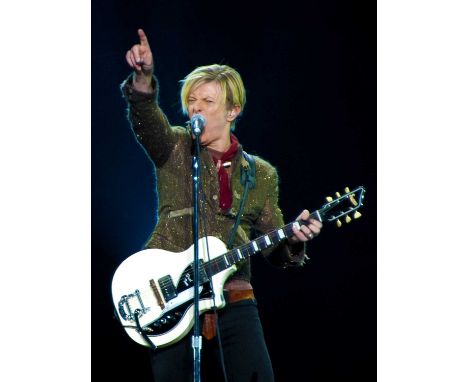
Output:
x,y
318,216
281,233
267,240
226,261
255,246
297,225
239,253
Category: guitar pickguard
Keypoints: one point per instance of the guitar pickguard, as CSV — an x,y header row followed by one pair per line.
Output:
x,y
170,319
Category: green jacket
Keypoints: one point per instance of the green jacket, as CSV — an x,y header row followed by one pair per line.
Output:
x,y
170,149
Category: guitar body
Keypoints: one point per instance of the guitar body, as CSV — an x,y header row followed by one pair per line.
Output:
x,y
156,286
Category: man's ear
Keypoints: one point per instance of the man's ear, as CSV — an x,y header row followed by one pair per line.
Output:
x,y
233,113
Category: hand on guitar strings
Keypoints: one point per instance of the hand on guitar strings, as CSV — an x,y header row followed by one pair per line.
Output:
x,y
307,231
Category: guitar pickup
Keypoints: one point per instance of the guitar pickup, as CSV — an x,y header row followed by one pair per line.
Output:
x,y
167,287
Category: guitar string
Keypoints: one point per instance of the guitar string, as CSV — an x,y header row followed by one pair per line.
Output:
x,y
247,247
246,250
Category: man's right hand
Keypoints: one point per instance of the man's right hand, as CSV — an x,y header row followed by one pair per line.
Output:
x,y
140,59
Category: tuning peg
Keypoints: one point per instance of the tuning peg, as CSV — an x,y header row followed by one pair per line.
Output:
x,y
347,219
347,190
329,199
353,200
337,194
338,223
357,215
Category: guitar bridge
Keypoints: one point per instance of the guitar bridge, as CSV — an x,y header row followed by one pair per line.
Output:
x,y
125,307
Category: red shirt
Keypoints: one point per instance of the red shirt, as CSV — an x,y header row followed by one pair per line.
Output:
x,y
222,161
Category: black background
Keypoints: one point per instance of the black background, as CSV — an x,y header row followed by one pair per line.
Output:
x,y
310,75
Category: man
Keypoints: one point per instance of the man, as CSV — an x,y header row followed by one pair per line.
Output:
x,y
217,93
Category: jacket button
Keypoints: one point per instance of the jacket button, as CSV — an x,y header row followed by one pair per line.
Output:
x,y
215,197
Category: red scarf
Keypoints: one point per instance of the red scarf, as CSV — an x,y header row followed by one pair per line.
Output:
x,y
225,193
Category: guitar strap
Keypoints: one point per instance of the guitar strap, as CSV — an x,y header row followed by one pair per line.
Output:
x,y
248,180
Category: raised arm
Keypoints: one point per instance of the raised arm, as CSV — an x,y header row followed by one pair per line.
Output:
x,y
149,123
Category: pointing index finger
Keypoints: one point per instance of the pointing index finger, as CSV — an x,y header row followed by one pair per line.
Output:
x,y
143,38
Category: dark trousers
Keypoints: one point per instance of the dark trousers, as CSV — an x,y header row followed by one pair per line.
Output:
x,y
246,356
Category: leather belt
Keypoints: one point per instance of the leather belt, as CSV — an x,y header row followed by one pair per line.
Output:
x,y
233,295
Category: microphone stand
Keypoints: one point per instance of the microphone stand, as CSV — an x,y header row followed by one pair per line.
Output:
x,y
196,338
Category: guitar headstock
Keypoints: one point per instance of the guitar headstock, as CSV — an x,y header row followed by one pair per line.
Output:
x,y
344,205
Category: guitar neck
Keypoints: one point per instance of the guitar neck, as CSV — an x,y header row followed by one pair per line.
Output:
x,y
266,241
331,211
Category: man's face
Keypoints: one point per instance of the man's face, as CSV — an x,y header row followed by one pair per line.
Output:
x,y
206,99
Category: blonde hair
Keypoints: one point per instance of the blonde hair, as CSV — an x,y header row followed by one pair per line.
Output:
x,y
232,87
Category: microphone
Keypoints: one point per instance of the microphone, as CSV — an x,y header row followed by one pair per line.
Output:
x,y
197,122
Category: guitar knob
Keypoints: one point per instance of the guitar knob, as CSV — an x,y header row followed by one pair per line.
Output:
x,y
337,194
329,199
357,215
346,190
348,219
338,223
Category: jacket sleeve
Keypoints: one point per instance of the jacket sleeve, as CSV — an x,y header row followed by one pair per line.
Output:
x,y
149,123
271,218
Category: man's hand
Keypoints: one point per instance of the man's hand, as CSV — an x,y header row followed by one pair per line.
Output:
x,y
308,231
140,59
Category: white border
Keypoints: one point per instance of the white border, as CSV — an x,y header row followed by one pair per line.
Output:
x,y
45,192
422,160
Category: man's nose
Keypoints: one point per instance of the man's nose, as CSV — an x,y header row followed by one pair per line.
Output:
x,y
196,107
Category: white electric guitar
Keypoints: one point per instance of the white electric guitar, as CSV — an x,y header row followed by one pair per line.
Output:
x,y
153,289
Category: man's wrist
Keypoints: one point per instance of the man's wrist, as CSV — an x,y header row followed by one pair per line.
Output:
x,y
142,83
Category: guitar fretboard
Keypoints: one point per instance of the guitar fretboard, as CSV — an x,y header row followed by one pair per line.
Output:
x,y
268,240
